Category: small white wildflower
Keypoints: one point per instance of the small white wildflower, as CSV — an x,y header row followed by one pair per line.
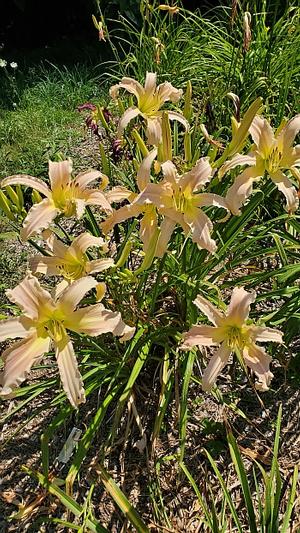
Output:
x,y
3,63
14,64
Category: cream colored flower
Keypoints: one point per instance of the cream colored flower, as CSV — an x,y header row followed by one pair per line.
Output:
x,y
68,196
150,99
45,321
71,262
233,335
178,200
273,153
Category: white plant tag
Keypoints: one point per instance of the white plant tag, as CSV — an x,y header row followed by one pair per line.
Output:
x,y
69,446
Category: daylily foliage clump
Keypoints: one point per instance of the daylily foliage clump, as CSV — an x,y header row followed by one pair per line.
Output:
x,y
181,198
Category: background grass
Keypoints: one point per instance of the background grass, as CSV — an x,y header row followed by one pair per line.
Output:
x,y
39,118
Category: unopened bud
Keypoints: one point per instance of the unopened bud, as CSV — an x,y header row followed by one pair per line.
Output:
x,y
36,197
188,108
5,206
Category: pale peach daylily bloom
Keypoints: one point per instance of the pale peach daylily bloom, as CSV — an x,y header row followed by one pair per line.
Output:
x,y
234,335
178,200
71,262
272,153
45,321
149,220
68,196
150,99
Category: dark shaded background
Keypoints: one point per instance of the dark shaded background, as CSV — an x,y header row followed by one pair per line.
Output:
x,y
31,23
28,25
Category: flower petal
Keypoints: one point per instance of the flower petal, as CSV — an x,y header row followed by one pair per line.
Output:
x,y
241,189
166,92
201,227
128,116
97,198
124,331
263,334
263,135
45,265
38,218
200,174
201,336
98,265
119,193
84,178
285,186
60,174
215,366
154,131
55,245
73,294
166,230
239,307
258,360
170,173
144,171
150,84
18,360
173,115
237,160
209,198
28,181
69,373
289,132
14,327
154,193
130,85
120,215
93,320
85,241
80,204
30,296
213,314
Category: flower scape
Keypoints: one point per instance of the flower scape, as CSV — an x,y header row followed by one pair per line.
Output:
x,y
177,199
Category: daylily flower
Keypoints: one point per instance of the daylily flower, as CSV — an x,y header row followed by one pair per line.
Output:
x,y
150,99
234,335
149,221
68,196
44,322
272,153
178,199
71,262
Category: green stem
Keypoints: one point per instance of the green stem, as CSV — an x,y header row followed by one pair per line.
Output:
x,y
157,283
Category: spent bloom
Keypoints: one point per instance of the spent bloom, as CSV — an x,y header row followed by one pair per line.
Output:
x,y
3,63
178,199
233,334
71,262
272,153
45,321
150,99
172,10
67,196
